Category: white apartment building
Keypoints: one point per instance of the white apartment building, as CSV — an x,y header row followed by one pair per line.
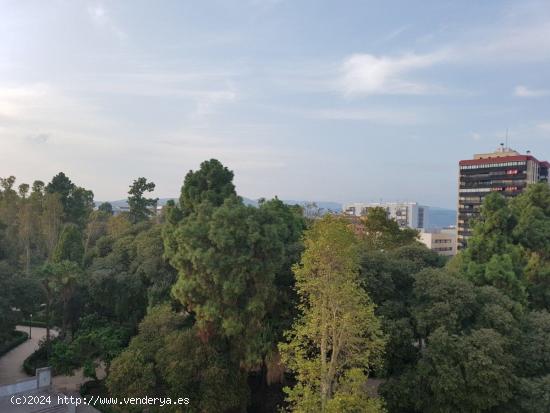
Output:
x,y
407,214
443,241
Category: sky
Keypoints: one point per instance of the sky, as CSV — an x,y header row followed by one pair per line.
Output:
x,y
343,101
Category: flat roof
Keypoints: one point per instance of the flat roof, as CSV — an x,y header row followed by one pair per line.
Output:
x,y
501,159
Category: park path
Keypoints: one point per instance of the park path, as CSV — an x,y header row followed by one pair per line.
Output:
x,y
11,363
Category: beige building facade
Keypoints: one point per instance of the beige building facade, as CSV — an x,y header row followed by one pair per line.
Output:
x,y
443,241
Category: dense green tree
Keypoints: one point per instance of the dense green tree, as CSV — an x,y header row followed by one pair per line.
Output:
x,y
384,233
51,222
96,228
23,190
213,182
151,266
442,300
141,207
168,359
229,259
471,373
127,272
77,202
336,337
96,342
59,281
133,372
389,277
62,279
234,271
467,334
7,317
69,247
204,372
534,344
115,292
532,395
62,185
106,207
509,247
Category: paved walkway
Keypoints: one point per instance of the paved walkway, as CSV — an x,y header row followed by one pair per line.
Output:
x,y
11,363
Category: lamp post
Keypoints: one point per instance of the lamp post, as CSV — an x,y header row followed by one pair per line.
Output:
x,y
30,327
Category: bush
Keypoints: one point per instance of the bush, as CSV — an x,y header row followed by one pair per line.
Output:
x,y
35,323
17,337
37,360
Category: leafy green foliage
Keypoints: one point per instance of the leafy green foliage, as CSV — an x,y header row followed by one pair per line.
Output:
x,y
77,202
470,373
167,358
213,183
141,207
128,273
510,246
231,258
389,277
106,207
69,246
337,338
7,317
95,342
383,233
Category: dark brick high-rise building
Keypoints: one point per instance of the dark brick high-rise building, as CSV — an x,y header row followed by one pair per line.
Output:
x,y
505,171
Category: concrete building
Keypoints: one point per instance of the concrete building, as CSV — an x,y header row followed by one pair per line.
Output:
x,y
505,171
407,214
443,241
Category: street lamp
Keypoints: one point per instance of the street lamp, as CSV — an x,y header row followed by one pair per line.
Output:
x,y
30,327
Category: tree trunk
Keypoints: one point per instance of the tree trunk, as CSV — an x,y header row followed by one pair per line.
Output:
x,y
48,324
324,384
28,260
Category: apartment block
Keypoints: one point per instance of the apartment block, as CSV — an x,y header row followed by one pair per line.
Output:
x,y
505,171
442,241
407,214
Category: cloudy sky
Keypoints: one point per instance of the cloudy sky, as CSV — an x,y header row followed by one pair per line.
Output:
x,y
304,99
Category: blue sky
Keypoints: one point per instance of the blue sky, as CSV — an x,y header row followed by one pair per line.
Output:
x,y
320,100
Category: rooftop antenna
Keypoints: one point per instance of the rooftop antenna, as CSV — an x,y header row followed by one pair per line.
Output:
x,y
507,138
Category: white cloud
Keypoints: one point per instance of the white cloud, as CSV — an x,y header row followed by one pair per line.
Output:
x,y
103,19
368,74
516,37
15,100
525,92
545,126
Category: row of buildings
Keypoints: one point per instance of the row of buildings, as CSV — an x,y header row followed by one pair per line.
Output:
x,y
412,215
505,171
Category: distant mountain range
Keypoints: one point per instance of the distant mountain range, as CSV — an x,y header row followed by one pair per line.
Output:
x,y
436,218
324,206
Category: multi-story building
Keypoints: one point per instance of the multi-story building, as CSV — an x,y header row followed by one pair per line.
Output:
x,y
442,241
407,214
505,171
